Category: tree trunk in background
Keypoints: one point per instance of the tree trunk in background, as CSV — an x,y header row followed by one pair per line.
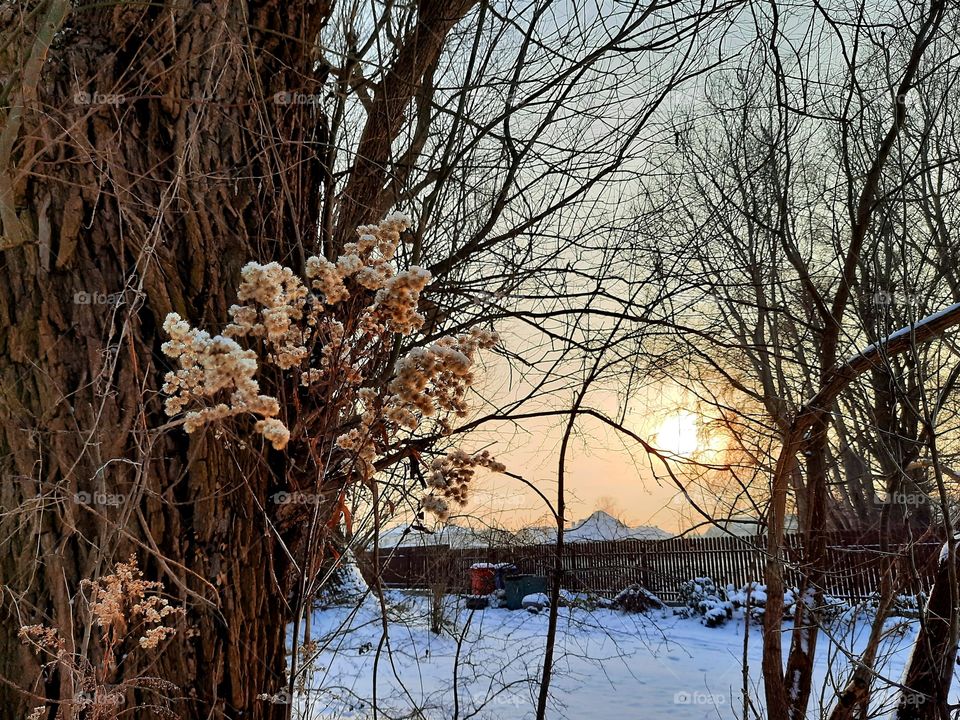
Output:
x,y
926,683
803,646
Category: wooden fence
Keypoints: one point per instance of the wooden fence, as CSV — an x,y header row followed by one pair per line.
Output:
x,y
853,567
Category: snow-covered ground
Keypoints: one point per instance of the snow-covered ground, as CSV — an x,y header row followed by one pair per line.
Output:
x,y
608,664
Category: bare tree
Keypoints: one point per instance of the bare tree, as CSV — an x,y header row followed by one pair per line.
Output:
x,y
796,190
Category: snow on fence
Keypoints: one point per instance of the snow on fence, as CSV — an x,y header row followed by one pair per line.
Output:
x,y
853,567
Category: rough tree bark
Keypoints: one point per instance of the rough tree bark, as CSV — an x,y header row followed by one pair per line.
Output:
x,y
154,158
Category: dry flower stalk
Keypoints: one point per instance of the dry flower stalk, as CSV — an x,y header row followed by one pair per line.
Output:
x,y
123,605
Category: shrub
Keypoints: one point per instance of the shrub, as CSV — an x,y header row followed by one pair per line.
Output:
x,y
829,609
702,597
127,614
904,605
833,608
344,586
637,599
909,606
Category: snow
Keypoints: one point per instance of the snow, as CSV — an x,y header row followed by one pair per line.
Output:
x,y
602,526
907,330
456,536
757,595
540,599
608,664
351,581
742,526
490,566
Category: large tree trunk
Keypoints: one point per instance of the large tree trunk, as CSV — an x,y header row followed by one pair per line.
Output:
x,y
162,147
162,165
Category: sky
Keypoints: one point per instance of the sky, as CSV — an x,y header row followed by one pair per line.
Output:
x,y
604,470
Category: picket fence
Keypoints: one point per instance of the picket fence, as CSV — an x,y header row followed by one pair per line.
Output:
x,y
853,567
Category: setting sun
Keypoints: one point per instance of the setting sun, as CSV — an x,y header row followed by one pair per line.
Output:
x,y
678,434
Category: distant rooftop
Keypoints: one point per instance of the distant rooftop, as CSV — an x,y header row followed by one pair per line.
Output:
x,y
598,526
746,526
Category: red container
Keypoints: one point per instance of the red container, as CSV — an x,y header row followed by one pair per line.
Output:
x,y
481,580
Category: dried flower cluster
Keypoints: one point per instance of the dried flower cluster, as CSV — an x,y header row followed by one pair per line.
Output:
x,y
396,302
450,476
435,377
281,297
289,323
210,366
368,261
123,605
124,599
43,638
426,380
277,309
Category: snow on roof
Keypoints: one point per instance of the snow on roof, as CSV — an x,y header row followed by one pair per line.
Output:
x,y
745,527
603,526
455,536
598,526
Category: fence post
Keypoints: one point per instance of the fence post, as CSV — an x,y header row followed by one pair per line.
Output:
x,y
644,570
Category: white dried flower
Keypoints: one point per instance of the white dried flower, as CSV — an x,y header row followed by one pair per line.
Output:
x,y
290,323
397,300
436,506
327,279
211,366
274,431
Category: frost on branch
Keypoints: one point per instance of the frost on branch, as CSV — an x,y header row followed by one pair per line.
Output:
x,y
328,339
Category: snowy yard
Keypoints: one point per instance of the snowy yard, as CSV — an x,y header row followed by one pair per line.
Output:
x,y
608,664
